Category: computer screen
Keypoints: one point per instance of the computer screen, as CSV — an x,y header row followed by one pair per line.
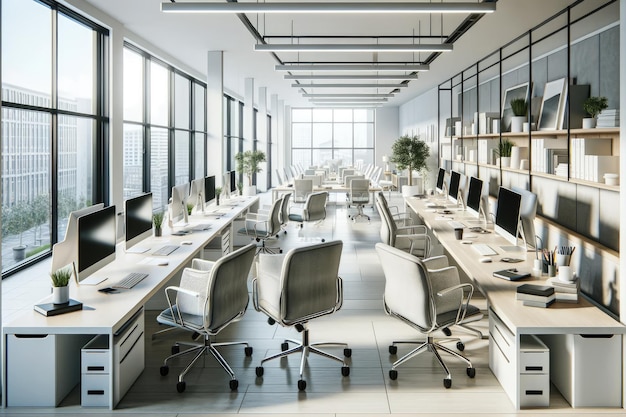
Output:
x,y
233,181
209,188
453,190
507,214
528,210
178,207
196,194
440,179
474,196
138,219
96,241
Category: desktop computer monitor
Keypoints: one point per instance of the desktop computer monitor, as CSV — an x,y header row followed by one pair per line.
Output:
x,y
96,241
64,253
233,181
528,210
209,188
441,185
508,214
453,190
196,194
474,197
178,206
138,219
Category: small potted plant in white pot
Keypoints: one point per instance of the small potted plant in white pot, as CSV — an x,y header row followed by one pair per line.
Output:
x,y
519,106
593,106
218,193
157,220
60,285
504,152
248,164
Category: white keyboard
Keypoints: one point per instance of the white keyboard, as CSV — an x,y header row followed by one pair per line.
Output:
x,y
130,280
456,225
484,249
199,227
165,250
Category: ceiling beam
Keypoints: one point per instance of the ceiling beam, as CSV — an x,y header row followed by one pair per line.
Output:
x,y
352,77
353,68
354,47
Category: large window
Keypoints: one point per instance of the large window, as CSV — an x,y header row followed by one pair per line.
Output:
x,y
53,124
318,135
164,126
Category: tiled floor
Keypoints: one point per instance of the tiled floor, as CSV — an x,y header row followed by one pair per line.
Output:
x,y
361,322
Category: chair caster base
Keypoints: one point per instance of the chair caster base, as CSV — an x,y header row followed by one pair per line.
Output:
x,y
233,384
471,372
447,383
301,385
259,371
393,374
345,370
180,387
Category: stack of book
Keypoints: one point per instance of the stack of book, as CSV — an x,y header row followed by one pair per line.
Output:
x,y
566,292
608,118
536,295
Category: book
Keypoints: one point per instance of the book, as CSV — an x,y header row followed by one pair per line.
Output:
x,y
51,309
538,298
566,287
564,297
534,289
511,274
537,303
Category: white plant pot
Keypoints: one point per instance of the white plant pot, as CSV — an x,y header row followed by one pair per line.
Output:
x,y
515,157
505,161
517,124
412,190
589,122
60,295
249,190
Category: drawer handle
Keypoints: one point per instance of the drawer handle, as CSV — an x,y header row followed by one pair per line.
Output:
x,y
534,368
95,368
534,392
95,392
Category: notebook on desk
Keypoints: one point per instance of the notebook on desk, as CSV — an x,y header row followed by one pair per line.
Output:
x,y
511,274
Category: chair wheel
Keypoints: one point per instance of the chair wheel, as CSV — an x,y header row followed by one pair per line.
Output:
x,y
285,232
393,374
345,370
299,328
301,385
259,371
257,239
447,331
175,349
248,350
164,370
280,251
471,372
271,321
460,346
277,236
447,383
323,240
347,352
284,346
233,384
393,349
180,387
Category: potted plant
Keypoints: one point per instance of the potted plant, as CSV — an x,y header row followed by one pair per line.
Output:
x,y
15,221
218,193
519,106
504,152
411,153
248,165
190,207
60,289
593,106
157,220
240,187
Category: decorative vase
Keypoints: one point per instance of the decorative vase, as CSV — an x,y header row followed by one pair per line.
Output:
x,y
60,295
589,122
517,123
515,157
505,161
158,232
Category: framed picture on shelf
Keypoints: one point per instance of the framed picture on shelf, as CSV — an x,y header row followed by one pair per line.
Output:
x,y
518,91
553,105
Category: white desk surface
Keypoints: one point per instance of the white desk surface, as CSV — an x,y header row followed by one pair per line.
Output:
x,y
102,313
559,318
330,187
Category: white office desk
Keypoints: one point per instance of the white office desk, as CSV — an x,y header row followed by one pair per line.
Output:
x,y
102,314
329,187
559,319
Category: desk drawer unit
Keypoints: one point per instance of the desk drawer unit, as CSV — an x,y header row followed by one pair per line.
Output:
x,y
128,356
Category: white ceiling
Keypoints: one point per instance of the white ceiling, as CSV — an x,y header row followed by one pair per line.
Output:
x,y
187,38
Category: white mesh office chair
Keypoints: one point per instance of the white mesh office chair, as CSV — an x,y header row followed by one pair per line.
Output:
x,y
427,300
296,288
264,226
359,195
313,210
301,188
211,295
279,177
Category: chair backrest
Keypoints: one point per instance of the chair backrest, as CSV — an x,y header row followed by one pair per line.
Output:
x,y
347,172
279,177
387,225
309,171
315,206
408,292
284,208
222,287
317,179
301,188
359,191
348,179
375,175
275,220
310,284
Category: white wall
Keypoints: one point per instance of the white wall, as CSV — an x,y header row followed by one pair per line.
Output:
x,y
386,126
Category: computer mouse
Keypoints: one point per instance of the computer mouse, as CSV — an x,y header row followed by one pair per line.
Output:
x,y
186,242
485,260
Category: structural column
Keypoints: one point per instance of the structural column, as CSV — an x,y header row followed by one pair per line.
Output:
x,y
215,115
261,132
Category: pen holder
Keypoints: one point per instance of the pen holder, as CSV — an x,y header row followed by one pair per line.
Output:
x,y
551,271
562,260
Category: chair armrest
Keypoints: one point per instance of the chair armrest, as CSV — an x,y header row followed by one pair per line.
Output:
x,y
202,264
170,294
257,217
436,262
414,229
463,306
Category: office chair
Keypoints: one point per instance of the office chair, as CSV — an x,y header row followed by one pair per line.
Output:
x,y
284,212
264,226
279,177
314,209
346,173
301,188
296,288
359,195
211,295
427,300
398,230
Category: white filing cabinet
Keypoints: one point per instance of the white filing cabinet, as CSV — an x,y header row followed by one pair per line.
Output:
x,y
95,373
528,381
218,247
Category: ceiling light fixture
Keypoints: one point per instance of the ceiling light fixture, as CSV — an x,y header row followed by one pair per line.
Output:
x,y
353,47
352,67
318,7
351,77
346,85
360,95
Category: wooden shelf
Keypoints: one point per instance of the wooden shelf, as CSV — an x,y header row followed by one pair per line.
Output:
x,y
600,131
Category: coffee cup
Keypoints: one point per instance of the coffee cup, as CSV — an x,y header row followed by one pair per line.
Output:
x,y
458,233
565,274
